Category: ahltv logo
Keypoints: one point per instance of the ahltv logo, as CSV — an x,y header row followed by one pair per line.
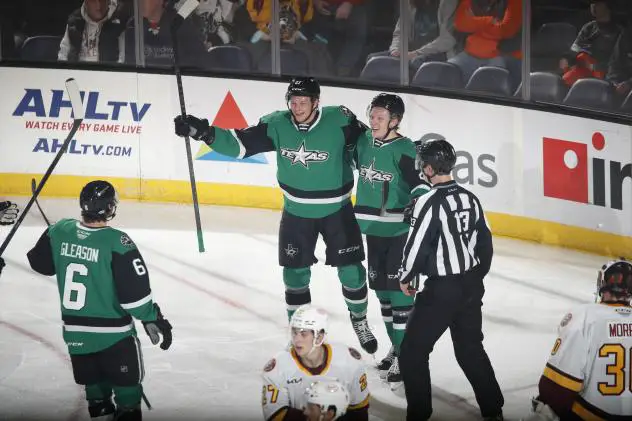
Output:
x,y
566,172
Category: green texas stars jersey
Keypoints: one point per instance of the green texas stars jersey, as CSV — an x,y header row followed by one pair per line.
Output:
x,y
314,163
102,279
387,181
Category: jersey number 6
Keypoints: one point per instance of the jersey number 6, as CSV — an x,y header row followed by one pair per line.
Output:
x,y
78,300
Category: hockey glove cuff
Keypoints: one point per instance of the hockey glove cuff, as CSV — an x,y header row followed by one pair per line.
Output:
x,y
191,126
8,213
160,326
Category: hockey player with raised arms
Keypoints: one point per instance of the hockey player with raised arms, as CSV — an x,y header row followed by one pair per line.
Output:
x,y
387,183
589,373
311,359
103,285
314,149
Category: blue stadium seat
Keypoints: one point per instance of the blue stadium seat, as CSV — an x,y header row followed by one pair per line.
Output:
x,y
591,93
40,48
490,80
382,69
293,62
545,87
438,74
229,57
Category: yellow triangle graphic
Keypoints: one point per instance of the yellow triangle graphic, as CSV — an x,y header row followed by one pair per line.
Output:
x,y
204,149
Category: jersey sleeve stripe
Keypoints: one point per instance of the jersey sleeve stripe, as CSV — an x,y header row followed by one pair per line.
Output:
x,y
242,149
278,415
94,329
565,380
590,412
584,413
138,303
362,404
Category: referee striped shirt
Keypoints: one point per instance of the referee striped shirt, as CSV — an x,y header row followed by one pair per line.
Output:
x,y
449,234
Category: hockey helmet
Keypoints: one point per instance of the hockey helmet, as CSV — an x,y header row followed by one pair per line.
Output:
x,y
303,86
98,200
392,103
615,277
329,395
310,318
438,153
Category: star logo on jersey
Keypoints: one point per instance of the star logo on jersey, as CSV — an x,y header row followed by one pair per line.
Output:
x,y
291,251
371,174
304,156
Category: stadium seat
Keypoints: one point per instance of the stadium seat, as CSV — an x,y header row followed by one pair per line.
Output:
x,y
490,80
550,43
382,69
229,57
591,93
293,62
40,48
545,87
438,74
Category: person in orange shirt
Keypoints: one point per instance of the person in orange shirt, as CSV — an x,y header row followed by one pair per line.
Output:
x,y
260,12
493,34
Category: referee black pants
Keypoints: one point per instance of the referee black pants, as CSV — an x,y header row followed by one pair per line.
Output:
x,y
452,302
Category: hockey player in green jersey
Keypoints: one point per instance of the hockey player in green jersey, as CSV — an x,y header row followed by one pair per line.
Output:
x,y
8,214
387,182
314,149
103,284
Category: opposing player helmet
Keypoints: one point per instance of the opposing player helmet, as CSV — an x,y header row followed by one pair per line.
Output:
x,y
615,277
329,394
393,103
303,86
438,153
98,200
310,318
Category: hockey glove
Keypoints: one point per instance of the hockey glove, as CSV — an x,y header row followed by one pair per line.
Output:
x,y
194,127
8,213
408,211
160,326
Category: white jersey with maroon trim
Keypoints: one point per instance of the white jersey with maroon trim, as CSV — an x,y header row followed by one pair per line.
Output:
x,y
285,379
593,356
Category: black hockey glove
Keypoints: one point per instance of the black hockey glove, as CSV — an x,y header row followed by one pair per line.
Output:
x,y
194,127
408,210
8,213
160,326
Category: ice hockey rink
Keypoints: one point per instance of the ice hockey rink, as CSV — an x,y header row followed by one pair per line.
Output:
x,y
228,313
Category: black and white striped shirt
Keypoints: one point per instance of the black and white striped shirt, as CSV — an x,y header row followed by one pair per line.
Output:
x,y
449,234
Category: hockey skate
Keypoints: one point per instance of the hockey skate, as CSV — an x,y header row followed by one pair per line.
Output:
x,y
394,376
365,336
384,365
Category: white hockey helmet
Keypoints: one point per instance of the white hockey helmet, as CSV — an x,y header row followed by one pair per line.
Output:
x,y
329,394
310,318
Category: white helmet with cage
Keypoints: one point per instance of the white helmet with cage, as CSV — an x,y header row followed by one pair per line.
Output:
x,y
329,394
307,317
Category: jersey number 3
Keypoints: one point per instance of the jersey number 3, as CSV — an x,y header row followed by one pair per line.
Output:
x,y
616,369
77,300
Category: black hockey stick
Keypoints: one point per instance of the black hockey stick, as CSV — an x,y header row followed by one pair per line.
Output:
x,y
77,109
185,10
33,189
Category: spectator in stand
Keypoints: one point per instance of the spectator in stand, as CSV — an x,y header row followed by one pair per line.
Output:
x,y
343,26
430,37
95,33
293,15
593,46
157,18
493,35
216,18
620,65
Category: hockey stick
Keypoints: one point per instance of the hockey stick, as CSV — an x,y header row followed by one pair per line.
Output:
x,y
33,189
185,10
77,109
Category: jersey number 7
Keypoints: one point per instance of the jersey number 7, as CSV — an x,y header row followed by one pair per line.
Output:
x,y
274,394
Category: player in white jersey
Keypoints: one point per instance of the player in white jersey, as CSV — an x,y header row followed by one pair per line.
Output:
x,y
327,400
589,373
310,359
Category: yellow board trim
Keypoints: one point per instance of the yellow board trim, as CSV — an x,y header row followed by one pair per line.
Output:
x,y
562,380
584,413
179,191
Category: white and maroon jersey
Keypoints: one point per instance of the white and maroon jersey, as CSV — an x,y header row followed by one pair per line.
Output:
x,y
593,356
285,379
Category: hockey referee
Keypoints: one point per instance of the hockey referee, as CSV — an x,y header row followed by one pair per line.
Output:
x,y
450,245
